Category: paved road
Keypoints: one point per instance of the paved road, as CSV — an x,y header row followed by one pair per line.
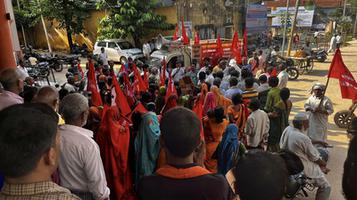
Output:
x,y
300,92
336,136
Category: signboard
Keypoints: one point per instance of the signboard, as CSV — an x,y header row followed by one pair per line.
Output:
x,y
188,27
304,17
257,20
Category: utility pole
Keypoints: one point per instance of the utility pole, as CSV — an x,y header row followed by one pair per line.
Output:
x,y
344,8
22,27
45,29
285,26
293,26
355,26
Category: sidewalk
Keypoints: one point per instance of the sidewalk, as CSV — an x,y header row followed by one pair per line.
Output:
x,y
336,136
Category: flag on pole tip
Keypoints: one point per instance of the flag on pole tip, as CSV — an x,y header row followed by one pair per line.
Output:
x,y
235,49
120,99
185,39
92,86
347,82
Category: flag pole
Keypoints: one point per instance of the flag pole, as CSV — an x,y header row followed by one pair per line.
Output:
x,y
328,80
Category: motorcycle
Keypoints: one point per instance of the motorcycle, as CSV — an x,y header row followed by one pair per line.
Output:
x,y
290,68
320,55
82,50
53,62
343,118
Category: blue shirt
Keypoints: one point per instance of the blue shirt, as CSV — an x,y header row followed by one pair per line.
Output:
x,y
232,91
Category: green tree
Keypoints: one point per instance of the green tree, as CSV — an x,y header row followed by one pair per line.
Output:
x,y
69,13
134,18
27,14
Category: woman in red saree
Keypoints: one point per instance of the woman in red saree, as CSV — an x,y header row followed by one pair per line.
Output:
x,y
113,138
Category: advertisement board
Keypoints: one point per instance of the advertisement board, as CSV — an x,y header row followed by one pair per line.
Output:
x,y
304,18
256,21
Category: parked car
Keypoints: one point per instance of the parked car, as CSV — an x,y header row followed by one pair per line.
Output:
x,y
118,50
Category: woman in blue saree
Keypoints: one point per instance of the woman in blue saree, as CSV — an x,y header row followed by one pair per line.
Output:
x,y
147,146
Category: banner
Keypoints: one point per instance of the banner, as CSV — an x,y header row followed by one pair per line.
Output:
x,y
304,16
257,20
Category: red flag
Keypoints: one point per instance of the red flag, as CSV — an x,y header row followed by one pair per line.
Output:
x,y
140,108
146,79
92,86
80,70
175,34
339,71
274,73
171,89
236,51
163,73
245,43
219,49
197,38
120,98
185,39
141,86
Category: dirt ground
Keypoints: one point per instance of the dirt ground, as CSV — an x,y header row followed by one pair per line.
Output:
x,y
336,136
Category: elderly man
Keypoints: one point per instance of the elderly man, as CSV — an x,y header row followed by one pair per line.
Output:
x,y
49,95
80,165
294,140
13,85
318,113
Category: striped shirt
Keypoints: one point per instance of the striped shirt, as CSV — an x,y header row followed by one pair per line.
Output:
x,y
249,94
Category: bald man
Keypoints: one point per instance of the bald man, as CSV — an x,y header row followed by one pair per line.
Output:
x,y
49,95
13,84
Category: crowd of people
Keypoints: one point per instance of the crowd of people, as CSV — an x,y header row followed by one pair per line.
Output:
x,y
188,132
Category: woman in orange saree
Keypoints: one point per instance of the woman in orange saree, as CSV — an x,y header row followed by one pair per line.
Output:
x,y
220,99
214,126
238,114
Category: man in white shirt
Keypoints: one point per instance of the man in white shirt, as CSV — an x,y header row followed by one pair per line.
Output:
x,y
103,56
283,77
294,140
257,126
178,72
338,40
80,165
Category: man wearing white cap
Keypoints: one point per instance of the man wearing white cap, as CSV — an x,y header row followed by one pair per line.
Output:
x,y
294,140
318,113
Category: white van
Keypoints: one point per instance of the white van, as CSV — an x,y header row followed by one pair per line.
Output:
x,y
118,50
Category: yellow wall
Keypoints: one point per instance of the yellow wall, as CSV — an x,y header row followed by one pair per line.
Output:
x,y
58,37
